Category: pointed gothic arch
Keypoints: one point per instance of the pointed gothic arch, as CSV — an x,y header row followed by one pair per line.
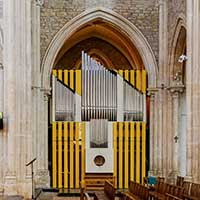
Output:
x,y
111,17
178,48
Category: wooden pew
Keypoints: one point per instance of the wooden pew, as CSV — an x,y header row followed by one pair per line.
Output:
x,y
186,185
194,193
136,192
83,194
171,197
165,188
107,194
160,189
179,181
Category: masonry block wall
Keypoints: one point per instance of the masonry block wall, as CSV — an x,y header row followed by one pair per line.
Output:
x,y
176,10
71,57
143,14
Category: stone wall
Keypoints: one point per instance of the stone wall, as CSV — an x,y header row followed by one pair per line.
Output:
x,y
176,9
142,13
70,58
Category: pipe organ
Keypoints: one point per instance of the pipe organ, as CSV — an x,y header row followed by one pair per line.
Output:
x,y
133,103
64,101
98,124
99,86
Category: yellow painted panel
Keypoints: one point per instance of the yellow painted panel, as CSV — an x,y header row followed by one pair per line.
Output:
x,y
59,154
72,79
60,72
54,72
143,150
138,152
126,174
138,79
120,154
54,166
78,82
126,75
77,155
83,151
71,155
115,150
144,81
120,72
66,77
65,154
132,154
132,77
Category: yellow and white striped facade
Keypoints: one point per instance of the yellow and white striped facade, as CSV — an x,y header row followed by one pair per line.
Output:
x,y
69,139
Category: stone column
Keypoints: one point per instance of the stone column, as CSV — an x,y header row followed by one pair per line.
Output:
x,y
153,139
42,173
1,87
162,103
10,91
1,131
17,94
174,139
192,90
39,105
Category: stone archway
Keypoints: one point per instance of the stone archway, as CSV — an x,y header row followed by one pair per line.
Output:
x,y
119,23
109,16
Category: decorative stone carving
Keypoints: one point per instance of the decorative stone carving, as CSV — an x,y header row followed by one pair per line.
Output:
x,y
46,93
39,2
175,90
152,92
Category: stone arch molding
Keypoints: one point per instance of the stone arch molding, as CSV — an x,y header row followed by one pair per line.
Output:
x,y
180,25
111,17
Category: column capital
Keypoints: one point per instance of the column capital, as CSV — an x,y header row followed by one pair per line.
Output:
x,y
46,93
39,3
152,92
176,90
160,2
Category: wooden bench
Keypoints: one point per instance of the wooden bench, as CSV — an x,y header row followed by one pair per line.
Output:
x,y
194,193
107,194
136,191
164,188
83,194
186,185
179,181
171,197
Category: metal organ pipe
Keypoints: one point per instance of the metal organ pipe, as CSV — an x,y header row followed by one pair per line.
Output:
x,y
133,103
99,96
64,102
